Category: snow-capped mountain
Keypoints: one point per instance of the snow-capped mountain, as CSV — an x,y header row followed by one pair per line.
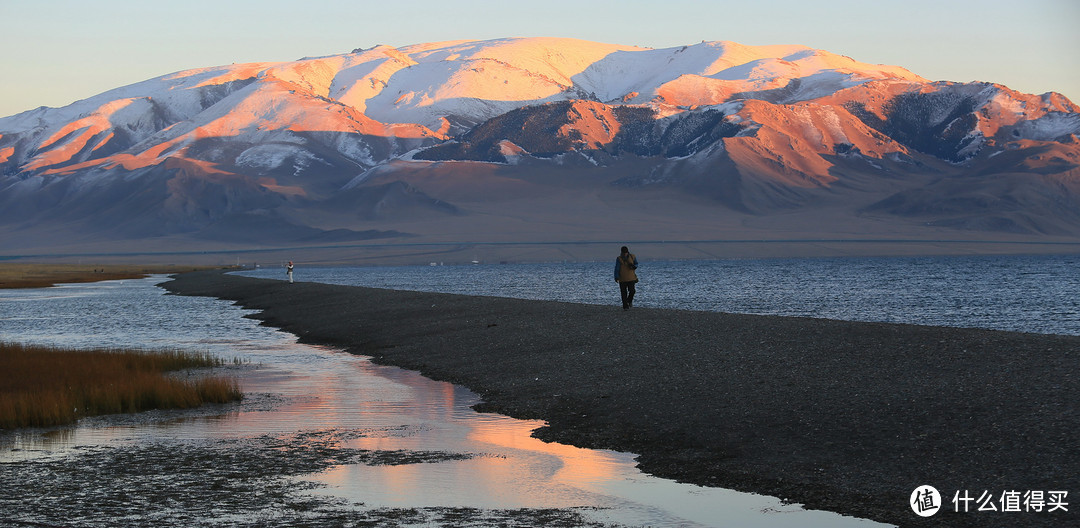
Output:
x,y
539,138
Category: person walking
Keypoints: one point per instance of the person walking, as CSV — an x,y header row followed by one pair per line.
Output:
x,y
288,271
625,275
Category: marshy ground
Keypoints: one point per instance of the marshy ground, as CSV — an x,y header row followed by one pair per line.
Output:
x,y
232,482
248,482
43,275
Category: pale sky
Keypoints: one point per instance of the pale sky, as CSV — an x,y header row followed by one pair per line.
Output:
x,y
58,51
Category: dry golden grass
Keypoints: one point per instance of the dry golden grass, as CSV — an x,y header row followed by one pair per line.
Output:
x,y
28,275
43,386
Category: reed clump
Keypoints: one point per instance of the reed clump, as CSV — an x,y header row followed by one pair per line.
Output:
x,y
45,386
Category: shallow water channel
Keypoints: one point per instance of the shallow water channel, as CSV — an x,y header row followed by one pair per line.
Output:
x,y
321,435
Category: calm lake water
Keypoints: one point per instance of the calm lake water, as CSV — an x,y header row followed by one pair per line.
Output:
x,y
295,389
1022,293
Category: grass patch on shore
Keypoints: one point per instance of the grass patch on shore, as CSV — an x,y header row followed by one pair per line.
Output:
x,y
45,386
30,275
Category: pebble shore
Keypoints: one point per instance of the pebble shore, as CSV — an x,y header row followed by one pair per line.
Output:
x,y
842,416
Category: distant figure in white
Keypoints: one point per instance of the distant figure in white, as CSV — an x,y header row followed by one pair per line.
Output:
x,y
288,271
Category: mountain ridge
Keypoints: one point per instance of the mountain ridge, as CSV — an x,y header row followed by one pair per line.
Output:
x,y
732,132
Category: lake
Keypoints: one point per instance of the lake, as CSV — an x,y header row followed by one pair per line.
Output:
x,y
1021,293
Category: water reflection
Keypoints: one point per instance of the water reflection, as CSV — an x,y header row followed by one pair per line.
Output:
x,y
294,389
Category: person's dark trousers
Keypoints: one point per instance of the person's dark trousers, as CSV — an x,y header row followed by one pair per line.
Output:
x,y
627,290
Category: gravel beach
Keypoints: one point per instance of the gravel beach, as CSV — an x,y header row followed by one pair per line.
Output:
x,y
843,416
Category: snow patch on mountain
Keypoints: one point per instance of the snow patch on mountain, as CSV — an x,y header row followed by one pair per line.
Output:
x,y
270,156
1050,127
365,74
556,59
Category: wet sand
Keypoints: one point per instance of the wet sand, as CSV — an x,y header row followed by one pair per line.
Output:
x,y
842,416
